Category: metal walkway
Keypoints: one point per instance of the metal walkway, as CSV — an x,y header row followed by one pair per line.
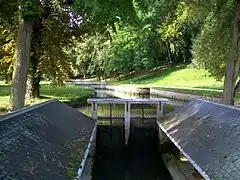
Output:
x,y
208,135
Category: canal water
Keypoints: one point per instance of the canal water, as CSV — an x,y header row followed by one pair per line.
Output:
x,y
139,160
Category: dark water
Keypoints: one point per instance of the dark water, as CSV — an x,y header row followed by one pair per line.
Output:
x,y
140,160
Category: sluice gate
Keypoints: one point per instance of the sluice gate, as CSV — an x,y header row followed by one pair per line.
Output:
x,y
127,110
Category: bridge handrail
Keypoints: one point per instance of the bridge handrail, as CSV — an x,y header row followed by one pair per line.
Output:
x,y
123,101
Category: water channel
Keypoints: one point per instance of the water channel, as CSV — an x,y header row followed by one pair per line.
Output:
x,y
140,160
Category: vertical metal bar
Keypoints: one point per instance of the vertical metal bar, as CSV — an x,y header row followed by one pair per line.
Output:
x,y
127,121
159,110
110,108
142,105
94,110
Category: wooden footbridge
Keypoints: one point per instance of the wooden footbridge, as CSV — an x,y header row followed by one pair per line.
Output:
x,y
127,110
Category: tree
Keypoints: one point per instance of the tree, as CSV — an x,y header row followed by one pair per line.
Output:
x,y
22,55
233,62
52,33
216,47
8,33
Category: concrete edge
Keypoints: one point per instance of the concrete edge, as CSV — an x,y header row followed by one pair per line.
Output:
x,y
167,94
83,163
172,167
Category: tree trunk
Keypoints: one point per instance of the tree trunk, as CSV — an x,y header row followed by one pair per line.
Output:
x,y
237,89
34,78
169,54
18,90
34,74
232,66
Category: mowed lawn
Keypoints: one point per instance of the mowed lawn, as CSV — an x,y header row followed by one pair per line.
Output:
x,y
64,93
180,78
177,76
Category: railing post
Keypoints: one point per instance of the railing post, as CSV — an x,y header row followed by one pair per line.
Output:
x,y
127,121
94,110
159,110
142,105
110,113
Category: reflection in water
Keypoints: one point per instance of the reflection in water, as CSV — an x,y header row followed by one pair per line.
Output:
x,y
140,160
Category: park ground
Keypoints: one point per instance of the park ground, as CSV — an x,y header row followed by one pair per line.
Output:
x,y
72,94
182,78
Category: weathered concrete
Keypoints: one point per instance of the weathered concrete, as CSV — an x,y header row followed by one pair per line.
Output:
x,y
163,93
90,84
180,169
143,92
119,94
208,135
46,141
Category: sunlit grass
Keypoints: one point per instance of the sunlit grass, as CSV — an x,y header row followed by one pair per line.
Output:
x,y
179,76
64,93
181,79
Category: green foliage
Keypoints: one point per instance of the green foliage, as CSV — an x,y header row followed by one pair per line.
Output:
x,y
212,44
102,13
131,49
53,59
8,21
30,9
7,50
88,55
111,38
161,33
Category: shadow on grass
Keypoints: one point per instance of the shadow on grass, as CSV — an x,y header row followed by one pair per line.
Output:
x,y
194,92
4,86
4,90
44,97
154,76
217,87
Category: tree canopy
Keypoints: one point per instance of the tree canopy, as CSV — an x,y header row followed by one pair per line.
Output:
x,y
83,38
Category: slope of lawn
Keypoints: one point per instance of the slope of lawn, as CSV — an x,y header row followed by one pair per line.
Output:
x,y
180,78
67,93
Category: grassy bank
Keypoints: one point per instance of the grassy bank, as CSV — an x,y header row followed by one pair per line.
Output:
x,y
70,94
181,79
179,76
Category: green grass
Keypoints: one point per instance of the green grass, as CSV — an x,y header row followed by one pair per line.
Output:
x,y
178,76
181,79
67,93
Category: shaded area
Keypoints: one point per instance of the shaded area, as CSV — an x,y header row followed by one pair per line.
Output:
x,y
201,92
45,141
209,136
140,160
